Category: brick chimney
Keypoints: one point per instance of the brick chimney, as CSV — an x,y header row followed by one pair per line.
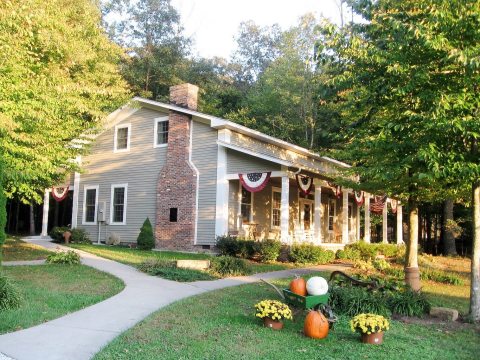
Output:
x,y
177,182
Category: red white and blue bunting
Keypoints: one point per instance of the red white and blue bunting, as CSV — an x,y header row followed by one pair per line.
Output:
x,y
393,205
359,197
255,182
60,192
377,205
305,184
338,191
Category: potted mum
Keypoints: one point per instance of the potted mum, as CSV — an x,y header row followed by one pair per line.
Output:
x,y
370,326
273,312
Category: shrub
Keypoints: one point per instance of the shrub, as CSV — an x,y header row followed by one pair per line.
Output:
x,y
268,250
380,264
9,295
348,254
363,265
389,250
354,300
395,272
245,248
80,236
307,253
167,269
145,240
441,277
227,245
57,233
229,266
408,303
70,258
150,266
367,251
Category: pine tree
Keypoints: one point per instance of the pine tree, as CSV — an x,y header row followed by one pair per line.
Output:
x,y
145,240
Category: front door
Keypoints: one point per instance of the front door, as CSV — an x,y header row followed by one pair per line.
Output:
x,y
306,214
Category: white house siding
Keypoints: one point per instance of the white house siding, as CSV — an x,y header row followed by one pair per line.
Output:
x,y
204,157
138,167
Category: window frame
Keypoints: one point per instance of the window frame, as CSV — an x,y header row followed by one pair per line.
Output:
x,y
84,220
250,220
155,131
276,190
330,202
115,137
125,197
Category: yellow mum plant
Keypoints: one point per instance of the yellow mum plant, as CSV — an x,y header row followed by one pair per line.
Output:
x,y
273,309
369,323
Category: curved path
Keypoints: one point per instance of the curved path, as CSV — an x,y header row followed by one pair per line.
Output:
x,y
80,335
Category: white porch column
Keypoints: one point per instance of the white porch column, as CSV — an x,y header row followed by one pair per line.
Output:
x,y
284,210
385,223
358,223
368,236
46,200
76,190
345,216
221,217
318,214
399,224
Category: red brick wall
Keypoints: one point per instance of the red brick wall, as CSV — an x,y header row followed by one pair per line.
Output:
x,y
177,182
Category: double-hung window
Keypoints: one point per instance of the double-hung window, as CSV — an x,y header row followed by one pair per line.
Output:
x,y
90,204
331,214
276,206
160,132
118,204
121,141
246,206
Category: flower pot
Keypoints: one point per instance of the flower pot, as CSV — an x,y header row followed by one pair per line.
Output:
x,y
66,236
272,324
373,338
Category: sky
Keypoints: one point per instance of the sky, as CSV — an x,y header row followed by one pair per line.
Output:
x,y
213,24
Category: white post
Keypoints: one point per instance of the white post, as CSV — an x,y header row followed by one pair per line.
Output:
x,y
221,218
76,191
358,223
399,224
46,200
368,236
345,217
317,214
385,223
284,210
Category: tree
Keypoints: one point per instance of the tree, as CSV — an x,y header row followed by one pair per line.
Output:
x,y
393,75
152,32
146,240
3,210
58,79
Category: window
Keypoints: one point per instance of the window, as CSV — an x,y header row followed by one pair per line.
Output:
x,y
122,138
276,206
331,214
160,137
90,203
173,214
118,204
246,206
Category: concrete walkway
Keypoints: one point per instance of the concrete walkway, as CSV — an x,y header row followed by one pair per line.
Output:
x,y
23,262
80,335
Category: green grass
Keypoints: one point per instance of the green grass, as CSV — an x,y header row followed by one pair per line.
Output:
x,y
15,249
135,257
51,291
221,325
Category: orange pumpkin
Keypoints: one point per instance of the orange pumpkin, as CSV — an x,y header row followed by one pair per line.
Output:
x,y
316,325
298,286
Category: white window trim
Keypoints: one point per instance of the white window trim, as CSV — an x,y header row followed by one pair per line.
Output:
x,y
274,190
240,206
330,201
122,126
114,186
85,188
155,131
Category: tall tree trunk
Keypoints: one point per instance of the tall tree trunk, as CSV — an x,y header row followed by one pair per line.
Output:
x,y
32,220
412,273
428,227
475,281
448,237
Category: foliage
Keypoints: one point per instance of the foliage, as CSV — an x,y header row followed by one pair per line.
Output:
x,y
80,236
15,249
273,309
352,301
308,253
409,303
441,277
233,246
268,250
363,265
69,258
57,233
145,239
58,79
370,251
3,209
348,253
380,264
167,269
229,266
9,295
369,323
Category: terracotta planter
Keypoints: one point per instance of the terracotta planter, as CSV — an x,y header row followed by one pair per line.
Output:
x,y
66,236
272,324
373,338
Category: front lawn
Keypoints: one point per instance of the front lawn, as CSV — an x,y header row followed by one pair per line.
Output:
x,y
51,291
15,249
221,325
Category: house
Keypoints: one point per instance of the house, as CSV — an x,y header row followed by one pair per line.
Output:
x,y
191,173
